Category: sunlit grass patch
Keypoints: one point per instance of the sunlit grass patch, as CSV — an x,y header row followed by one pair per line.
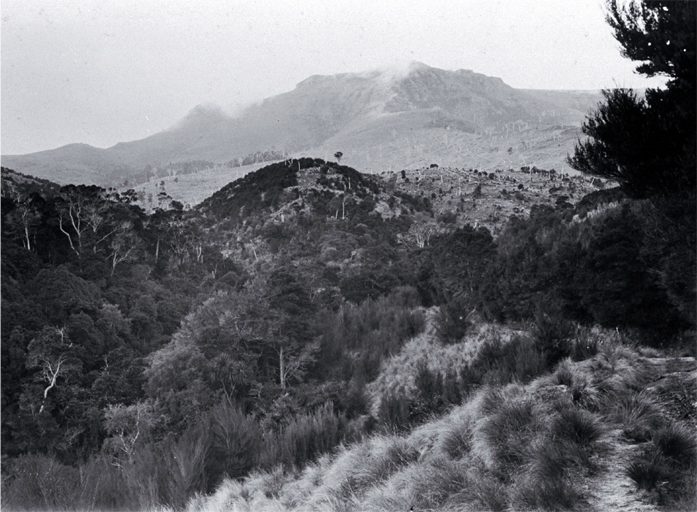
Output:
x,y
437,481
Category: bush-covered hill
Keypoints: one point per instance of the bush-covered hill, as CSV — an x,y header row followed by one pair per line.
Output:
x,y
160,353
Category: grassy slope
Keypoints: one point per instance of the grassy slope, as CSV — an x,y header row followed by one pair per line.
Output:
x,y
193,188
491,209
402,141
568,440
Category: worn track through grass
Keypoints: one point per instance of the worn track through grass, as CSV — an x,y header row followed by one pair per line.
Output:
x,y
612,489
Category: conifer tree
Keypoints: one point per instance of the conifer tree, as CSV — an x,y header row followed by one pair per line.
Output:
x,y
647,144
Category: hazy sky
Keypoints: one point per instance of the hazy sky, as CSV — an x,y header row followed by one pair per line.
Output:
x,y
106,71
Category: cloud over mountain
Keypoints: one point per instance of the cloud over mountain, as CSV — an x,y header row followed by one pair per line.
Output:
x,y
361,114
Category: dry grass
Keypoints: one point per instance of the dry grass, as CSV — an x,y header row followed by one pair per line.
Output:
x,y
398,373
518,446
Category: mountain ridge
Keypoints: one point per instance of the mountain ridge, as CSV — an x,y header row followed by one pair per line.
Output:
x,y
414,106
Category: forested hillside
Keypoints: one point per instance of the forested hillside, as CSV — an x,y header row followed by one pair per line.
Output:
x,y
134,340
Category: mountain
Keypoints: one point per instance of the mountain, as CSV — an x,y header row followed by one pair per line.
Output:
x,y
378,119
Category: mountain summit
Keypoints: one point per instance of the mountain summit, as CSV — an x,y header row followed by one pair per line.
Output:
x,y
376,118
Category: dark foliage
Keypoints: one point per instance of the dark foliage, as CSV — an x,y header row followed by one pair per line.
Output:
x,y
452,322
256,191
552,335
648,145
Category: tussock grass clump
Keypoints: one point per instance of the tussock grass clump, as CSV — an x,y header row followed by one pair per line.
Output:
x,y
364,466
677,443
637,414
576,426
384,457
667,468
552,494
437,481
573,435
489,494
507,434
564,375
456,441
616,355
583,393
222,500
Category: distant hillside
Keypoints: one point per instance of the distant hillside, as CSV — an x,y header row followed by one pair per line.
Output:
x,y
377,119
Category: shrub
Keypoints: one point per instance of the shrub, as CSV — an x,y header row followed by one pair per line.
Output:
x,y
394,411
499,363
304,438
564,375
451,388
102,486
529,361
148,479
186,462
40,482
235,443
376,328
551,334
451,322
429,388
584,346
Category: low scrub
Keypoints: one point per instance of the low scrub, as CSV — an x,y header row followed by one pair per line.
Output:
x,y
304,438
522,445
